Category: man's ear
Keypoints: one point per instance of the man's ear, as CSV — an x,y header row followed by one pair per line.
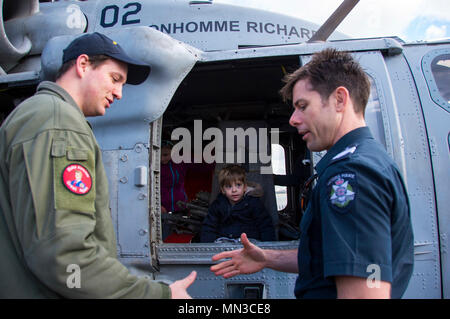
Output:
x,y
342,98
82,64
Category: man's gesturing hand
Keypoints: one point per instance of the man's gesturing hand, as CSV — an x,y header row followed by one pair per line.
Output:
x,y
179,287
247,260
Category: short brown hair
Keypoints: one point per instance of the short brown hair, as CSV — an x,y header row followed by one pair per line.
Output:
x,y
95,60
231,173
327,70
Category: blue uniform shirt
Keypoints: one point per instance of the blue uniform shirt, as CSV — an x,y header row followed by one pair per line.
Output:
x,y
357,222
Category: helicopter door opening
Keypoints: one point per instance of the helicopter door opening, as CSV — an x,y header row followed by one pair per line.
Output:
x,y
215,101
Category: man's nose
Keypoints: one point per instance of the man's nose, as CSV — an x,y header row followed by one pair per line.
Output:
x,y
295,119
117,92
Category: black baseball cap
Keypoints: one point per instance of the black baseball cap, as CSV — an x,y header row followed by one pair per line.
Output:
x,y
99,44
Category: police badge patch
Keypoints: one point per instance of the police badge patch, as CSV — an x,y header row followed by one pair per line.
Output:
x,y
341,190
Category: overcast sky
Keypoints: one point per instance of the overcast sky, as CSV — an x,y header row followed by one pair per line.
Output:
x,y
410,20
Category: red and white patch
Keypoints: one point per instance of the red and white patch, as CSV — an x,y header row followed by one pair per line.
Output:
x,y
76,179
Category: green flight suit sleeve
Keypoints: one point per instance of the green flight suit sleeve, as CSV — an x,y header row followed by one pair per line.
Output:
x,y
67,238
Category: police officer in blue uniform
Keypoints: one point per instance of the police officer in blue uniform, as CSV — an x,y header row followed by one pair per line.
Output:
x,y
356,234
359,190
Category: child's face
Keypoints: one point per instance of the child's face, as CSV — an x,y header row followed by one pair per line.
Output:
x,y
235,191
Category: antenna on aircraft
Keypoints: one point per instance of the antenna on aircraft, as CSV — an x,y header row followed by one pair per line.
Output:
x,y
333,21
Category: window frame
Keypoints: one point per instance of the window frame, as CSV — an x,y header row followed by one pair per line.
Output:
x,y
433,88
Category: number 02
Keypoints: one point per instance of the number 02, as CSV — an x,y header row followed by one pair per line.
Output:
x,y
115,15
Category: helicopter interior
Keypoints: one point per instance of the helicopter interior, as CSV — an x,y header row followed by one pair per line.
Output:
x,y
231,95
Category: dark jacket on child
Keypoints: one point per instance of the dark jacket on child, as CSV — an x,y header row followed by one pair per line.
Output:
x,y
247,216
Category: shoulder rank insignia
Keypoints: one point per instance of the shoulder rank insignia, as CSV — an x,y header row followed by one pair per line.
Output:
x,y
342,189
348,151
76,179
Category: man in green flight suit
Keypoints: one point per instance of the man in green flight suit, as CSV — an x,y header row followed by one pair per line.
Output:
x,y
54,201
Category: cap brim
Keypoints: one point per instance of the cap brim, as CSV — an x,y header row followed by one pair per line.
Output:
x,y
137,72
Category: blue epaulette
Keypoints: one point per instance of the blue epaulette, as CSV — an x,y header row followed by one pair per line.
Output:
x,y
349,150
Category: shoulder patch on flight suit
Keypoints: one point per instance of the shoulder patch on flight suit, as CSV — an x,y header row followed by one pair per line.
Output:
x,y
73,178
77,179
342,190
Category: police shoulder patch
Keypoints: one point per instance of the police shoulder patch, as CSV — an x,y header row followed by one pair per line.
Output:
x,y
342,190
